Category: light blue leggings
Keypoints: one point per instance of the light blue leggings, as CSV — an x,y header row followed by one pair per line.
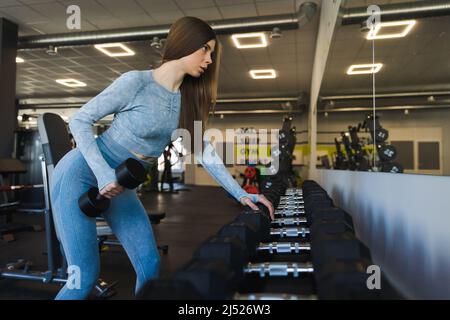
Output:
x,y
77,232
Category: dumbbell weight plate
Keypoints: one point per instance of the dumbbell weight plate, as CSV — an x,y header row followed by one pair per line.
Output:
x,y
381,135
392,167
387,152
130,173
91,205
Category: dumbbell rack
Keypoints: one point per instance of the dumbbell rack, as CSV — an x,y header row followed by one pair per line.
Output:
x,y
308,252
282,268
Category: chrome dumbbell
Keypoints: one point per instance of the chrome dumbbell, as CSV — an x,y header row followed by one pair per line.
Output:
x,y
293,190
290,199
291,206
288,209
293,202
283,247
289,221
289,232
288,195
289,213
291,196
279,269
273,296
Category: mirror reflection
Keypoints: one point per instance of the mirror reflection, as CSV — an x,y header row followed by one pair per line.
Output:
x,y
384,100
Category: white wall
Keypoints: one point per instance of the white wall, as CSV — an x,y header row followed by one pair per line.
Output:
x,y
405,221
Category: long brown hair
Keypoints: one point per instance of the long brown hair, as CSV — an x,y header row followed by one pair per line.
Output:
x,y
198,95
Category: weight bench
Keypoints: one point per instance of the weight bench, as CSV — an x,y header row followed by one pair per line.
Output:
x,y
10,166
55,143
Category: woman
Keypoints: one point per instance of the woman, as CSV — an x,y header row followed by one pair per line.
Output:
x,y
147,107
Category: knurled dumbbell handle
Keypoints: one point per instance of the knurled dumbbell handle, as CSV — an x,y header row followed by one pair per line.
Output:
x,y
289,232
289,221
279,269
293,213
289,198
292,208
273,296
284,247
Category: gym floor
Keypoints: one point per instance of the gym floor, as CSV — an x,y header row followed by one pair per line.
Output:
x,y
191,217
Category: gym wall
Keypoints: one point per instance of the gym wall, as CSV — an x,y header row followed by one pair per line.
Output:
x,y
404,220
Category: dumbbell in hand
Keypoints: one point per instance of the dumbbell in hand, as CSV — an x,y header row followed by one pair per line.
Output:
x,y
129,174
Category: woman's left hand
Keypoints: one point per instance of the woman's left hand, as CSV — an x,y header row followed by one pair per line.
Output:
x,y
261,198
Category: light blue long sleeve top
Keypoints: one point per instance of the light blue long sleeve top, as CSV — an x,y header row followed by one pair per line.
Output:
x,y
145,115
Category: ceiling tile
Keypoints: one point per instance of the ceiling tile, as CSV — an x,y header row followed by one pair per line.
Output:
x,y
157,5
238,11
206,14
275,7
122,9
9,3
231,2
23,13
166,17
194,4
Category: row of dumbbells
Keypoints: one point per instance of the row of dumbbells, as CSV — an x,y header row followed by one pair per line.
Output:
x,y
309,238
338,259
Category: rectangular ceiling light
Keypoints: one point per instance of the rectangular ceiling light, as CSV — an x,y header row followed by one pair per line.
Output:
x,y
19,60
364,68
249,40
114,49
263,74
71,82
392,29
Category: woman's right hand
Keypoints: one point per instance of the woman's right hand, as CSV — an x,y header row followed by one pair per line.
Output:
x,y
111,190
246,201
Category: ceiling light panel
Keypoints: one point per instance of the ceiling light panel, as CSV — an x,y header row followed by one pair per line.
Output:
x,y
71,83
114,49
364,68
391,29
263,74
249,40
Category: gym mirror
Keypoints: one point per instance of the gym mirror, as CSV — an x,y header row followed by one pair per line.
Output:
x,y
400,69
